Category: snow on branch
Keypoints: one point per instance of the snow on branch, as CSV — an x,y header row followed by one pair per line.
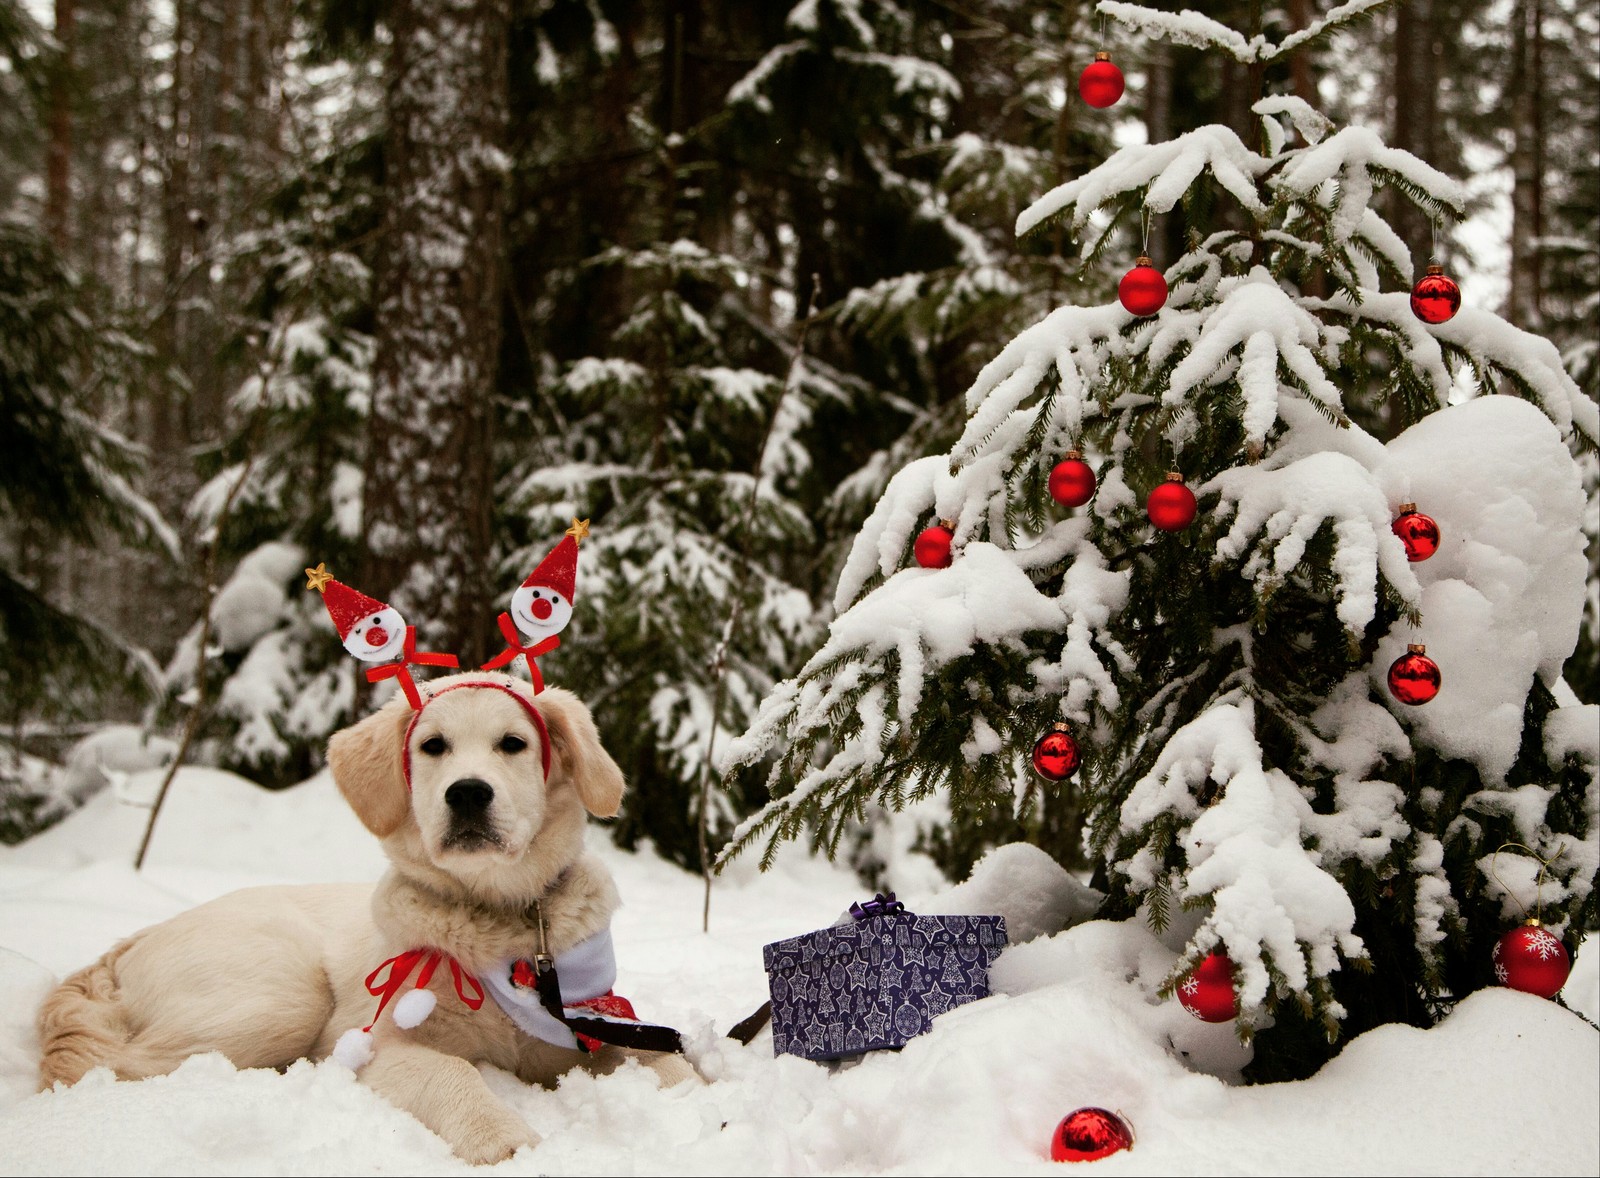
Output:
x,y
1165,171
1273,332
1245,852
1201,32
1359,160
1312,124
1277,512
1184,28
1078,341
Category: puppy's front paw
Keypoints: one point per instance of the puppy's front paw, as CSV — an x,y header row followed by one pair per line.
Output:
x,y
673,1070
494,1139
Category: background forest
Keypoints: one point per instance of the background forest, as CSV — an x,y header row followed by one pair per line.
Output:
x,y
403,287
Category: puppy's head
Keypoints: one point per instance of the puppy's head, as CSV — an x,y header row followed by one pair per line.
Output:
x,y
462,784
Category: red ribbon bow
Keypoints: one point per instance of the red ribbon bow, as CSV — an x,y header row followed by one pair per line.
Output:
x,y
408,658
514,647
400,967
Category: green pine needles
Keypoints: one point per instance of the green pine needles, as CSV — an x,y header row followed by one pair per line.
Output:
x,y
1249,780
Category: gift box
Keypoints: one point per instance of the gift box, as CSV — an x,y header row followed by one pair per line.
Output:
x,y
878,980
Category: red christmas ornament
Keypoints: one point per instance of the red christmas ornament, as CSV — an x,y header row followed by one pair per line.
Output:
x,y
1089,1134
1208,993
1100,84
1055,754
1417,532
1436,297
1413,677
1532,959
1072,481
932,548
1143,290
1171,506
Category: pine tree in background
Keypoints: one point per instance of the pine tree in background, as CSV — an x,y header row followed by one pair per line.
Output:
x,y
685,460
1252,780
64,481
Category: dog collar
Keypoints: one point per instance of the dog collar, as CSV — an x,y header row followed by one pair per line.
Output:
x,y
527,706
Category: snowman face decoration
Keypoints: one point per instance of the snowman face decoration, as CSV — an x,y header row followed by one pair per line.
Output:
x,y
379,637
540,612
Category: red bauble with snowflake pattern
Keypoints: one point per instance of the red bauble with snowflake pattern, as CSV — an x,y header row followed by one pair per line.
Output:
x,y
1072,481
1056,755
932,547
1170,505
1417,532
1532,959
1090,1134
1208,992
1143,290
1100,84
1414,678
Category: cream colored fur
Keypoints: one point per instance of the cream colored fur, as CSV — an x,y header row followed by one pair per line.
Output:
x,y
270,975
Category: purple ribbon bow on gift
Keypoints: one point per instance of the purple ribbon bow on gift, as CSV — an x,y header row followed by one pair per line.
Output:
x,y
882,904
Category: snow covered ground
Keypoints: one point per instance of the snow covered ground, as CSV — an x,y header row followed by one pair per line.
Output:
x,y
1509,1084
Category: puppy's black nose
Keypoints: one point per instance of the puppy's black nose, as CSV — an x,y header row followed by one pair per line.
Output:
x,y
469,796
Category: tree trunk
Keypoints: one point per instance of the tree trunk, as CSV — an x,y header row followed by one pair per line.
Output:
x,y
428,469
58,160
1527,92
1415,116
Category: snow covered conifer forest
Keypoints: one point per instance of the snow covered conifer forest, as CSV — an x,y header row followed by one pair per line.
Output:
x,y
763,290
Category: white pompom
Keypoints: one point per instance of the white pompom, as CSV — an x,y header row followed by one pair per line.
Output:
x,y
412,1008
354,1049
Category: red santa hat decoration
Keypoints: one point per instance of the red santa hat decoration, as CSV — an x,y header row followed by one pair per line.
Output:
x,y
375,632
541,607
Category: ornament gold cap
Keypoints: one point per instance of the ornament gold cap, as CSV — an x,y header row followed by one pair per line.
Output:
x,y
1174,476
1102,55
948,525
1435,268
1533,922
1074,456
1061,726
1407,508
1143,260
1416,648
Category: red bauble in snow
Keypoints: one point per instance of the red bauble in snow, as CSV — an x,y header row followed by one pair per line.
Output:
x,y
1171,506
1413,677
1417,532
932,548
1436,297
1072,481
1143,290
1088,1134
1532,959
1055,754
1208,993
1100,84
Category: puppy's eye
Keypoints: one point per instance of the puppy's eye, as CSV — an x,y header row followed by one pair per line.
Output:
x,y
512,744
435,746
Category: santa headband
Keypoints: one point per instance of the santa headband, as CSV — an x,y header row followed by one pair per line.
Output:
x,y
374,632
493,685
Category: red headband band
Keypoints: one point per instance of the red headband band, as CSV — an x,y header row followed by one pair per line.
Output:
x,y
527,706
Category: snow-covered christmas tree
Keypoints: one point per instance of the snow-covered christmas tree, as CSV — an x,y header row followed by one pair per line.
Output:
x,y
1265,765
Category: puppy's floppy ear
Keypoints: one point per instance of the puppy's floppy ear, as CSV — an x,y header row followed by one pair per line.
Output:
x,y
366,763
578,752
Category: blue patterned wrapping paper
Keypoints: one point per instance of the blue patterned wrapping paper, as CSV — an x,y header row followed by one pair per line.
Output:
x,y
876,983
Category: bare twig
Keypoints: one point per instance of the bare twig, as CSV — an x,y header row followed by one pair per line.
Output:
x,y
719,659
202,654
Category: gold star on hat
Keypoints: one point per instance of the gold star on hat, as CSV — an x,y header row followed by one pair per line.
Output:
x,y
579,531
318,577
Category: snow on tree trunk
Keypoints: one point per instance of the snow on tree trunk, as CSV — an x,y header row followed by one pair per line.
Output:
x,y
427,499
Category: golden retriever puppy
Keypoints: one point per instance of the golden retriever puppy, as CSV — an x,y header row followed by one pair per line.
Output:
x,y
479,798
